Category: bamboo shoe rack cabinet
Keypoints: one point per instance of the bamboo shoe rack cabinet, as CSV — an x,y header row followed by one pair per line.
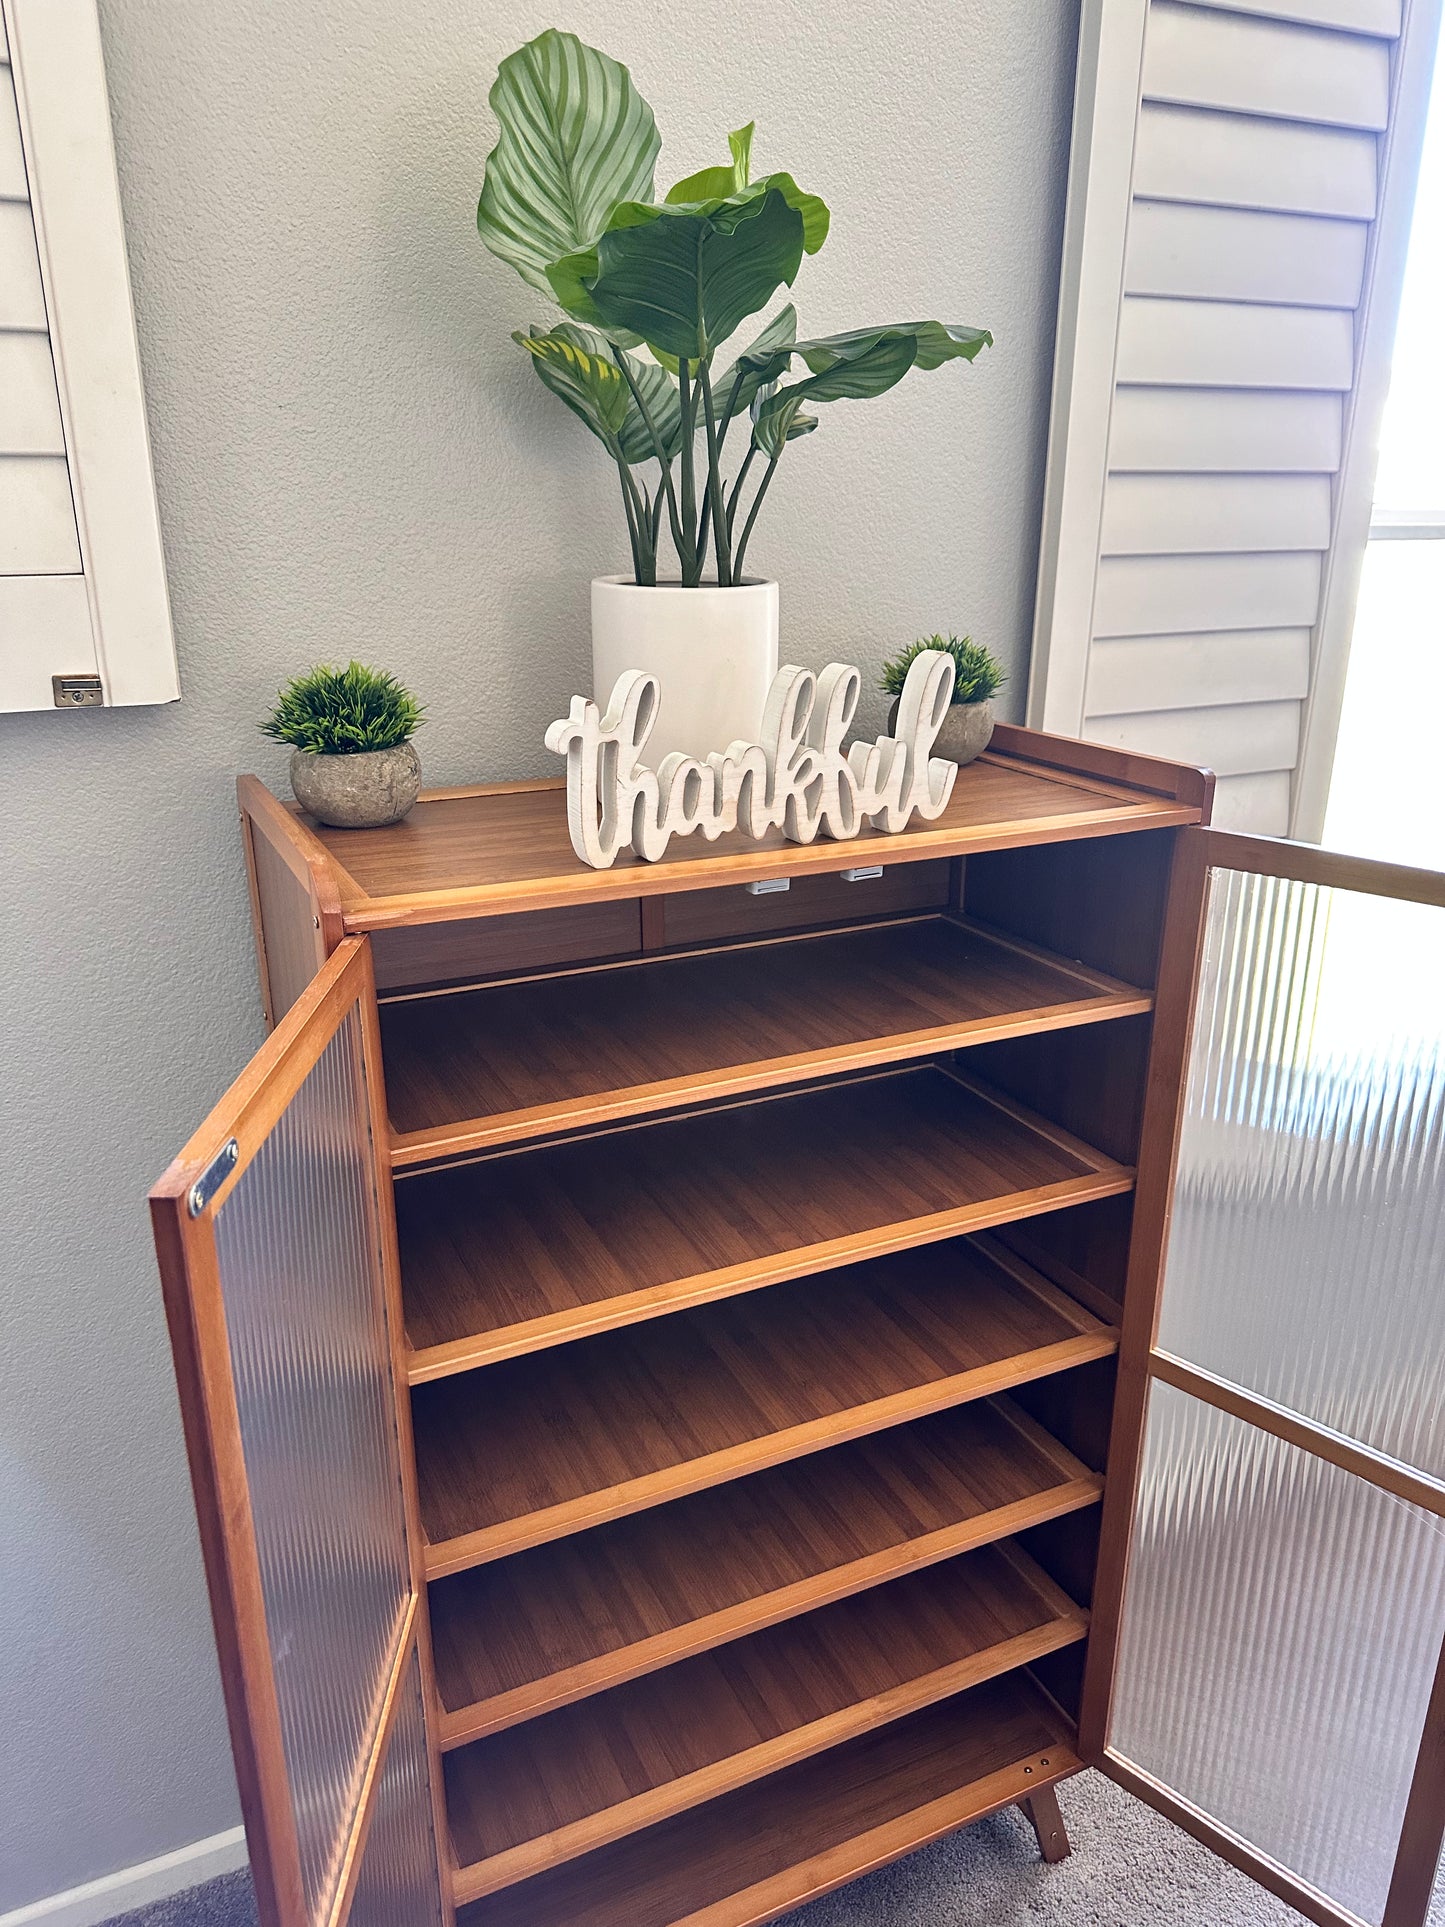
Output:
x,y
674,1378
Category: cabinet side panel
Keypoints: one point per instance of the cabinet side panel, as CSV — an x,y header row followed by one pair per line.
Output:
x,y
1100,900
290,946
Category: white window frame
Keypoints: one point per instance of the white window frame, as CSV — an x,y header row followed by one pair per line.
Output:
x,y
59,72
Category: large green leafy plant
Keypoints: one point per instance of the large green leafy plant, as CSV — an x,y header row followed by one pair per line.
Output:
x,y
568,200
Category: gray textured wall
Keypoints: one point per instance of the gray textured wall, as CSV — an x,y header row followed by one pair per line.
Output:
x,y
352,457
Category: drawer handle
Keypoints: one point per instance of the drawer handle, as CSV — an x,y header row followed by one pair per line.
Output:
x,y
863,875
768,886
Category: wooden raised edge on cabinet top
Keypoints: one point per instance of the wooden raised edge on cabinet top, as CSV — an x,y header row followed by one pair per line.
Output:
x,y
1099,792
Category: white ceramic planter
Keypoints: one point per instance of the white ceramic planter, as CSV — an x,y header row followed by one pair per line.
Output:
x,y
714,653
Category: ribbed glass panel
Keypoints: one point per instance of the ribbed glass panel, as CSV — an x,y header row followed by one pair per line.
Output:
x,y
1281,1629
297,1243
1306,1256
399,1884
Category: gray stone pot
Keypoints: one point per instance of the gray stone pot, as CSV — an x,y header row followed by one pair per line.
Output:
x,y
357,792
965,733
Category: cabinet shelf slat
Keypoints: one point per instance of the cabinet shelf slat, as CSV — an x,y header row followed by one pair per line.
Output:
x,y
553,1788
528,1634
569,1438
749,1855
500,1063
533,1248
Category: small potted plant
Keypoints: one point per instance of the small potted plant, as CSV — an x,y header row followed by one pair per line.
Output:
x,y
969,722
652,288
350,730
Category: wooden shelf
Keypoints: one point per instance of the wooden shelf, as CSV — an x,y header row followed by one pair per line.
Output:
x,y
578,1779
504,847
529,1249
537,1631
544,1446
749,1855
466,1069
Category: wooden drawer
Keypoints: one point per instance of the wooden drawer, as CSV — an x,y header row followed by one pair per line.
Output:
x,y
697,916
473,947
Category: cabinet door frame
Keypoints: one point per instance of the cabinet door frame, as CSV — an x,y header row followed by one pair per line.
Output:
x,y
1197,852
195,1311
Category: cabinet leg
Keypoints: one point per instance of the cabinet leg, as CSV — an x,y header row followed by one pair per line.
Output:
x,y
1041,1809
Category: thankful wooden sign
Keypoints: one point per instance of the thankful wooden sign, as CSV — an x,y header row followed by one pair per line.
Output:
x,y
798,778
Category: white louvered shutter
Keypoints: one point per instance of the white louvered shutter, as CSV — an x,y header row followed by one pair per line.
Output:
x,y
82,584
1238,205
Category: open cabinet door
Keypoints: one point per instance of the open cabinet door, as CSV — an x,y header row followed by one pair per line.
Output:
x,y
1266,1659
277,1249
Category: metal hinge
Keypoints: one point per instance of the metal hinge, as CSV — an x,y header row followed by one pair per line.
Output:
x,y
212,1178
77,692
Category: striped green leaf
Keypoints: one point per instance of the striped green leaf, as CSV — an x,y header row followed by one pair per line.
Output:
x,y
714,187
579,367
869,361
576,138
685,281
772,427
576,367
761,362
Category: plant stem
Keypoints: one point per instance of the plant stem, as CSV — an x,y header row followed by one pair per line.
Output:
x,y
647,532
736,495
657,448
626,480
753,511
687,545
727,419
715,482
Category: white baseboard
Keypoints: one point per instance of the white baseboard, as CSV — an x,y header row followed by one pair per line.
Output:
x,y
132,1887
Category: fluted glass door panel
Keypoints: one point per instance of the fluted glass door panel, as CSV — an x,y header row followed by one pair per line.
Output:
x,y
399,1884
1282,1623
297,1250
1306,1256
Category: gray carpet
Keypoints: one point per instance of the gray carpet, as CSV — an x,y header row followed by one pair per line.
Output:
x,y
1128,1866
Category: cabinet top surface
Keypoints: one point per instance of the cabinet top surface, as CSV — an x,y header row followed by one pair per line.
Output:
x,y
491,849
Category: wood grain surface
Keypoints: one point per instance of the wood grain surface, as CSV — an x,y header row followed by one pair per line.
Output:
x,y
515,1060
752,1854
469,853
529,1450
530,1249
528,1634
563,1785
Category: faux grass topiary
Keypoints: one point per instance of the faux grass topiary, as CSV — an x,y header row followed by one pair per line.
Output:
x,y
978,675
343,712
